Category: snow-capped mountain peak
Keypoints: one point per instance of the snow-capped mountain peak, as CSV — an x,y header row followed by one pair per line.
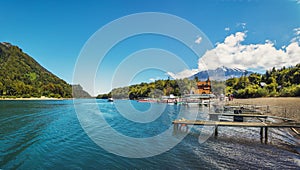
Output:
x,y
221,73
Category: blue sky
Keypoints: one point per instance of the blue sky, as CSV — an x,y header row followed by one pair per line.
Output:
x,y
54,33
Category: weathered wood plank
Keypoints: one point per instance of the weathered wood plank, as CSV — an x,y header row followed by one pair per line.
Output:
x,y
238,124
243,115
249,115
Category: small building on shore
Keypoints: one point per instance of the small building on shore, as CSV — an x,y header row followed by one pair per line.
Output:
x,y
201,94
203,87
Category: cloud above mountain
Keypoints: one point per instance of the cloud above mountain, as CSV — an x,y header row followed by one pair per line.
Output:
x,y
233,53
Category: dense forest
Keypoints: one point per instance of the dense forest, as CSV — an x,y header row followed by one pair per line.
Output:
x,y
22,76
282,82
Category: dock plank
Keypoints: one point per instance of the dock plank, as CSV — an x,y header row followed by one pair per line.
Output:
x,y
239,124
250,115
242,115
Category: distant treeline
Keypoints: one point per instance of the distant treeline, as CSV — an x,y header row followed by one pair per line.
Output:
x,y
159,88
154,89
282,82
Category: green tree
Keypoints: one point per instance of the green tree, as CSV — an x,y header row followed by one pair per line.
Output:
x,y
242,83
254,78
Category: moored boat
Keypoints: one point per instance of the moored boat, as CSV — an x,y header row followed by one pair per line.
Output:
x,y
198,99
149,100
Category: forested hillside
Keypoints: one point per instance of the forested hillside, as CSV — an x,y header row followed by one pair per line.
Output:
x,y
283,82
22,76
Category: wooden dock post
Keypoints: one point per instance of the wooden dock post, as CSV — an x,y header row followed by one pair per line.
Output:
x,y
266,135
285,112
175,128
216,131
261,134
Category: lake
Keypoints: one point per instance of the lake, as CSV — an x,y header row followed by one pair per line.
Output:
x,y
96,134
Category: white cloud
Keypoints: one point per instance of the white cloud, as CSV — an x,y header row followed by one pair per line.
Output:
x,y
185,73
297,35
241,24
152,79
198,40
232,53
297,30
227,29
234,39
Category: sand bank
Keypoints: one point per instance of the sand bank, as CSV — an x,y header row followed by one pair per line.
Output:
x,y
279,106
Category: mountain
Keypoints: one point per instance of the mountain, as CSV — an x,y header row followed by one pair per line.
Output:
x,y
22,76
221,73
78,92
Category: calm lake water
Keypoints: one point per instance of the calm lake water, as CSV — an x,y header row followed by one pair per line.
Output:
x,y
48,134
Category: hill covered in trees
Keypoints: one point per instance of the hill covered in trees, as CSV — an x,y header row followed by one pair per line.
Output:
x,y
282,82
22,76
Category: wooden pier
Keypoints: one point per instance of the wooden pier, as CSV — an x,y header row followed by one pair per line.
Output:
x,y
215,116
182,124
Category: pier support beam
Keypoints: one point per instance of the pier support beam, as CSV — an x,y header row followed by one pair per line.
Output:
x,y
175,128
216,131
266,135
261,134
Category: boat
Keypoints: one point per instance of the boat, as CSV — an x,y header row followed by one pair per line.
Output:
x,y
170,99
198,99
110,99
148,100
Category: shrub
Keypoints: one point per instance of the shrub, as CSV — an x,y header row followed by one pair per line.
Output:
x,y
262,92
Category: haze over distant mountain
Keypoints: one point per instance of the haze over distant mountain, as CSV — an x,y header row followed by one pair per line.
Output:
x,y
78,92
221,73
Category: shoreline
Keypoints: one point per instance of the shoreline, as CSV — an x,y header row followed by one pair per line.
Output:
x,y
35,98
280,106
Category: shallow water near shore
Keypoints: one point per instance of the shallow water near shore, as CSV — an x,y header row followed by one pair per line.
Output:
x,y
48,134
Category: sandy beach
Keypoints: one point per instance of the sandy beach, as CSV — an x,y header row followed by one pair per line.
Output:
x,y
280,106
